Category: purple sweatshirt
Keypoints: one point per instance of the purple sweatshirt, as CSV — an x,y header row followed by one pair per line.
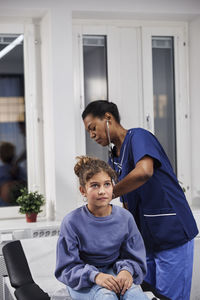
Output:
x,y
86,242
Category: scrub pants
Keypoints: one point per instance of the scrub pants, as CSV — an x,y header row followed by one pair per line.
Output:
x,y
170,271
97,292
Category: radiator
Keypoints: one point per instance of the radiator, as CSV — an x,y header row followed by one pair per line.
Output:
x,y
3,272
36,232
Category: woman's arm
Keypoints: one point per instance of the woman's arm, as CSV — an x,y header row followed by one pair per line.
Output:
x,y
136,178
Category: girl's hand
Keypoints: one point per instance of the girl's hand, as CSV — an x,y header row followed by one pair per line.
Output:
x,y
108,281
125,280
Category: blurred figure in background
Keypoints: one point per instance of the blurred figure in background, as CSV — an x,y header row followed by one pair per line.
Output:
x,y
12,176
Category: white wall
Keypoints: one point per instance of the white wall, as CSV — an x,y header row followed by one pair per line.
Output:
x,y
57,76
59,122
138,6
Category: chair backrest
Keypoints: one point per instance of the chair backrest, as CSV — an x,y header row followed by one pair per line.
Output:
x,y
17,265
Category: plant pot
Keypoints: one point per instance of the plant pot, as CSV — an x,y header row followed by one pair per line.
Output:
x,y
31,217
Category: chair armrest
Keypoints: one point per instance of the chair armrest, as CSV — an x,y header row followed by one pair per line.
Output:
x,y
31,291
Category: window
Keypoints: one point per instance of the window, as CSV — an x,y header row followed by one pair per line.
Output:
x,y
95,81
13,167
147,79
166,105
164,95
20,115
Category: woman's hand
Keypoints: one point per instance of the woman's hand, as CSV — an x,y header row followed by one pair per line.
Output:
x,y
125,280
108,281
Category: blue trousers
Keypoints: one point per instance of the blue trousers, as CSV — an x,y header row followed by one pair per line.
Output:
x,y
97,292
170,271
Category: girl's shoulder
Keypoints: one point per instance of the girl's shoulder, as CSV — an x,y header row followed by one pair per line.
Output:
x,y
123,216
73,215
72,221
122,211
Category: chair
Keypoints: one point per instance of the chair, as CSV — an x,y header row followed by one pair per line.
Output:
x,y
146,287
20,275
21,278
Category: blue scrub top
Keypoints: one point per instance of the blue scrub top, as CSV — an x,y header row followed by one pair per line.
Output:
x,y
159,206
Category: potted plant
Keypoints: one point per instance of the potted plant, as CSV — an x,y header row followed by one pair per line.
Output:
x,y
30,204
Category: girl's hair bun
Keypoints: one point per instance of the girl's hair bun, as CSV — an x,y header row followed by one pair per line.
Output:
x,y
87,166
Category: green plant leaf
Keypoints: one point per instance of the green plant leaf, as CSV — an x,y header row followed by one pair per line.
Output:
x,y
30,201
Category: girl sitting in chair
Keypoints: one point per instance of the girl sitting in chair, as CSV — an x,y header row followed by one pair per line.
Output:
x,y
100,252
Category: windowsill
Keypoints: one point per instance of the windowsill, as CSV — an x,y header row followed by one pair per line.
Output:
x,y
19,229
14,224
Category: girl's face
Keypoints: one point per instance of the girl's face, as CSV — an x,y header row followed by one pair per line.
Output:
x,y
97,129
98,191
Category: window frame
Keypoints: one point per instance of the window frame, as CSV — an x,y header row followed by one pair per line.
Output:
x,y
33,108
145,30
182,106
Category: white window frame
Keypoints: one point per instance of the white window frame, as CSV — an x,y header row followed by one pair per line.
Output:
x,y
179,33
78,32
145,30
113,55
33,107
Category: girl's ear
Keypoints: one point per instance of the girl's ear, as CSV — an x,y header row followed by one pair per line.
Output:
x,y
82,190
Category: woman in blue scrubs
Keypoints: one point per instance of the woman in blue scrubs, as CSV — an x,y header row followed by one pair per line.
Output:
x,y
150,190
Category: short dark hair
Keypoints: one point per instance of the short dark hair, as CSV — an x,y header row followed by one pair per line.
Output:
x,y
98,109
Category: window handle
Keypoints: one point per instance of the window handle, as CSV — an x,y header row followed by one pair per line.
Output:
x,y
148,120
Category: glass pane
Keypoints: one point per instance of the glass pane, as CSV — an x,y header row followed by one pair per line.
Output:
x,y
13,170
95,81
164,95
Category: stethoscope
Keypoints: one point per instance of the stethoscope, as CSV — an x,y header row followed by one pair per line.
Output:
x,y
117,167
110,151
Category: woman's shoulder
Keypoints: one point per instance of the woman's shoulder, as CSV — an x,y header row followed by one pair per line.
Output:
x,y
140,135
138,131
